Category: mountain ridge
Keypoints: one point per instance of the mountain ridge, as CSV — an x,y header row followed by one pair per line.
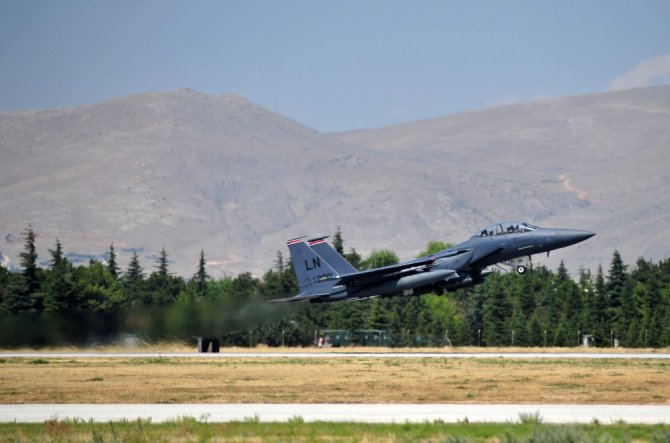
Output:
x,y
188,171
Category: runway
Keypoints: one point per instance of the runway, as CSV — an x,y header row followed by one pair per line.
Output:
x,y
365,413
349,355
373,413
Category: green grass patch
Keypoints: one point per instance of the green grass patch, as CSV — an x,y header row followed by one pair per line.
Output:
x,y
530,429
152,361
565,385
95,379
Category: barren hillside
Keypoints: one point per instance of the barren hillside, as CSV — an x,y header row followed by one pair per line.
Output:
x,y
191,171
603,159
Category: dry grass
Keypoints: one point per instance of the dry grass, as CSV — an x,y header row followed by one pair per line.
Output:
x,y
178,346
350,380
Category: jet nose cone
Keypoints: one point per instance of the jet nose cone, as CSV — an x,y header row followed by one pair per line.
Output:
x,y
585,235
573,236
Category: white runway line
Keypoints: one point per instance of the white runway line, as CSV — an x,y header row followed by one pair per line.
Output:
x,y
483,355
367,413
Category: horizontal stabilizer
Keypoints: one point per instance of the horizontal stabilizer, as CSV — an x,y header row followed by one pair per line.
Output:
x,y
297,298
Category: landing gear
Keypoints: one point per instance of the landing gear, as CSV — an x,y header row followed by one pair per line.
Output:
x,y
520,264
437,290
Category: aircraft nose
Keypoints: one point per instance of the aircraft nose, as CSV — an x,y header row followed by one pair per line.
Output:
x,y
572,236
584,235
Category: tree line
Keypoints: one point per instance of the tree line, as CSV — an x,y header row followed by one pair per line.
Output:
x,y
64,303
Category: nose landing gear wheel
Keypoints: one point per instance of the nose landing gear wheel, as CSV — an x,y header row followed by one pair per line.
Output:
x,y
520,269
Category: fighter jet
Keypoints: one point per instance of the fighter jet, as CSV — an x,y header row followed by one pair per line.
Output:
x,y
325,276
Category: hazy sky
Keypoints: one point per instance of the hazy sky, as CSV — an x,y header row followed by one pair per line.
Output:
x,y
332,65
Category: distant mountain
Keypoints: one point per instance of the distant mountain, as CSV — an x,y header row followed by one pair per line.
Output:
x,y
189,171
599,162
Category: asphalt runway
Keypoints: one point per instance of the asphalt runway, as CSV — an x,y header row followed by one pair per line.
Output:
x,y
366,413
481,355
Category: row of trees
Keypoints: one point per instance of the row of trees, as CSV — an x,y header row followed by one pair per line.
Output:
x,y
541,308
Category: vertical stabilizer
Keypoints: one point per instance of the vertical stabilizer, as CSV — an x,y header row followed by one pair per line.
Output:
x,y
328,253
314,274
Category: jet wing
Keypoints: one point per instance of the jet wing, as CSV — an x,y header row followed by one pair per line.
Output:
x,y
377,275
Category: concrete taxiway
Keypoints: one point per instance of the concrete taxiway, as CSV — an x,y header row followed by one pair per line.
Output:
x,y
223,355
367,413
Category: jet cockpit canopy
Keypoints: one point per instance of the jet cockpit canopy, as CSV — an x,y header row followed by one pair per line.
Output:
x,y
506,228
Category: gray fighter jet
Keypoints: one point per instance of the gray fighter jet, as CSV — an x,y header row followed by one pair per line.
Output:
x,y
325,276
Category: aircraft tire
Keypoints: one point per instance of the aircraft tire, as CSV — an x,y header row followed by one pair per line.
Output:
x,y
520,269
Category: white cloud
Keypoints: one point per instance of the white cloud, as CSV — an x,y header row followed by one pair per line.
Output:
x,y
652,72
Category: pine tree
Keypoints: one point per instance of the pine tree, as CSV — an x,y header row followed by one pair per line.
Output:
x,y
618,295
338,243
379,314
133,281
518,324
28,261
161,287
279,263
588,303
562,274
112,266
162,267
59,286
535,332
57,259
497,312
601,328
354,258
16,296
648,298
21,293
413,321
4,276
135,273
655,311
569,326
474,299
200,278
616,281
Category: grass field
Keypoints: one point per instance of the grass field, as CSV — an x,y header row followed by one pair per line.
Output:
x,y
323,380
342,380
179,346
297,431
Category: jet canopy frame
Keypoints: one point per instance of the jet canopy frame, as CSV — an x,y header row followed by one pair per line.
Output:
x,y
506,228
